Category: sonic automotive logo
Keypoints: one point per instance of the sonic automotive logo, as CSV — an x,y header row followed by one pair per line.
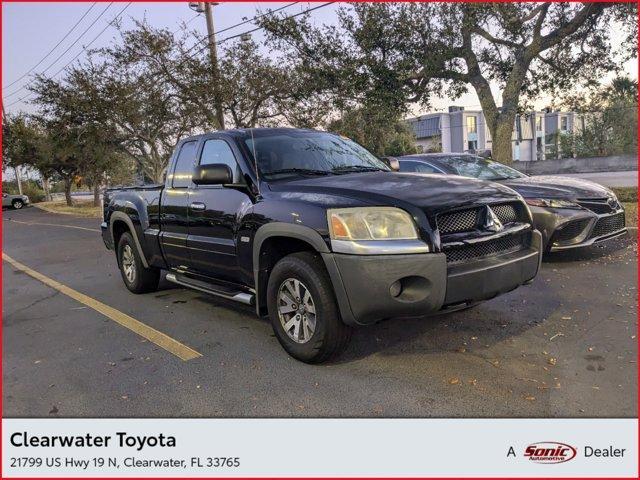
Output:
x,y
550,452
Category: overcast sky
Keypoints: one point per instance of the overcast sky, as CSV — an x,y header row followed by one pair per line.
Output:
x,y
30,30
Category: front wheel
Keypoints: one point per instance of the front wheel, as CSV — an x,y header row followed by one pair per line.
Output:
x,y
136,277
17,204
303,310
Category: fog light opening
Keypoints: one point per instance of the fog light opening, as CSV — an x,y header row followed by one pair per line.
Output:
x,y
395,289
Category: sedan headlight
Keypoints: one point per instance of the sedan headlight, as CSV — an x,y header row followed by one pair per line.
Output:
x,y
551,203
371,223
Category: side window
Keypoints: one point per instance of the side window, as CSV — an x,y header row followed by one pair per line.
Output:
x,y
219,151
185,162
425,168
407,166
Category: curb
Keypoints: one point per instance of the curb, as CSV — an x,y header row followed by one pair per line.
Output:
x,y
49,210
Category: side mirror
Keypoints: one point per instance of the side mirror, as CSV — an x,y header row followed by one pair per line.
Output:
x,y
392,162
213,174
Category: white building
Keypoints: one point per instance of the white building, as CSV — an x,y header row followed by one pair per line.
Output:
x,y
460,130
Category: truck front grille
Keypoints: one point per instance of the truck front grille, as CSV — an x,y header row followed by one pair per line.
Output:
x,y
498,246
460,221
607,225
471,219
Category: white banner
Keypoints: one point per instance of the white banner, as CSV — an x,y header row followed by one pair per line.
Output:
x,y
319,447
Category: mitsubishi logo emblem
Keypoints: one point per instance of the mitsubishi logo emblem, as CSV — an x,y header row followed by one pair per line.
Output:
x,y
492,222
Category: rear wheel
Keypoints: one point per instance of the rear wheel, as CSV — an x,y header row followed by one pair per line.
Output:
x,y
17,204
303,310
136,277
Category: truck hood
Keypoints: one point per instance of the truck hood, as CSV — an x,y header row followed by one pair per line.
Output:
x,y
431,193
547,186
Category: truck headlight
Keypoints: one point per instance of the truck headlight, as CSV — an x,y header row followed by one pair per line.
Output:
x,y
371,223
552,203
374,231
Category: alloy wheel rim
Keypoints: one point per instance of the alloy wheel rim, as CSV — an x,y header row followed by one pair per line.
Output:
x,y
128,264
18,205
296,310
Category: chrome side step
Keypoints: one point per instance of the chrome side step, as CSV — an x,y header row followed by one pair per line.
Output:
x,y
242,297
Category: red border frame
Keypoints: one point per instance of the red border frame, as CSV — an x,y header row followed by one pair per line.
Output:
x,y
2,2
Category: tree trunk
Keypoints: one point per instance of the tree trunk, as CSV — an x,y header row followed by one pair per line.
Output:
x,y
502,150
47,190
96,194
67,192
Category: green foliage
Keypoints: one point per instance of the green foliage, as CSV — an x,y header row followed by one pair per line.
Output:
x,y
391,55
30,188
610,117
380,134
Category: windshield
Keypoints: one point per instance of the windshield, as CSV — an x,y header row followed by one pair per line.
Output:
x,y
478,167
285,154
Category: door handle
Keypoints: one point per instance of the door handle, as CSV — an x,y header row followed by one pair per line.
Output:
x,y
198,206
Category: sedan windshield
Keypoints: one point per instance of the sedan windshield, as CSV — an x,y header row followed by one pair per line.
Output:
x,y
301,153
478,167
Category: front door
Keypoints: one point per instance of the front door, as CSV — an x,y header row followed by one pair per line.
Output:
x,y
213,211
174,214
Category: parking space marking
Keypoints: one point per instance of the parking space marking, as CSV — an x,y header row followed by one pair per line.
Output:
x,y
55,225
164,341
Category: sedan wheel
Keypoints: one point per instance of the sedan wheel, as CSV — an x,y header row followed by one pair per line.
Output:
x,y
17,204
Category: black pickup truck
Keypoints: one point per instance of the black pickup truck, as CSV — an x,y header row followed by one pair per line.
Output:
x,y
314,231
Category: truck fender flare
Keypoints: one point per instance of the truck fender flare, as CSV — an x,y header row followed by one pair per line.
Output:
x,y
125,218
282,229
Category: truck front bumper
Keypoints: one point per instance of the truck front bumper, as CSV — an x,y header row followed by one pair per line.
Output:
x,y
106,236
370,288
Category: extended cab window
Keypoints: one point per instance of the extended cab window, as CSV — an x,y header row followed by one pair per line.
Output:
x,y
219,151
185,162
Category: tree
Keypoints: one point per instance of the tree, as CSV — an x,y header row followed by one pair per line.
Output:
x,y
81,137
610,117
375,132
254,89
25,143
393,55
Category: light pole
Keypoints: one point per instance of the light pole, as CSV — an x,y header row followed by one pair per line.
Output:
x,y
207,8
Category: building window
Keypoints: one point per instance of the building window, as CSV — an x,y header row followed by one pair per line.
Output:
x,y
472,145
538,124
563,123
472,126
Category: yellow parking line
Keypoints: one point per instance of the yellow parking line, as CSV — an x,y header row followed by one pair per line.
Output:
x,y
55,225
169,344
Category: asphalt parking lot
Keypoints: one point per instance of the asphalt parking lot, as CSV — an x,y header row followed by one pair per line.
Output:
x,y
564,346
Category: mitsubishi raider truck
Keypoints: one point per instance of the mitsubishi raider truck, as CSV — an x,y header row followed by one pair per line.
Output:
x,y
312,230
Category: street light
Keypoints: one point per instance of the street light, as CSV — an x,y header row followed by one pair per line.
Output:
x,y
197,6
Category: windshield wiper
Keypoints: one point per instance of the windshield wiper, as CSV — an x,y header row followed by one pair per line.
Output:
x,y
357,168
302,171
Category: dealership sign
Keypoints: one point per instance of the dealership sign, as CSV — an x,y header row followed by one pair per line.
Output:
x,y
550,452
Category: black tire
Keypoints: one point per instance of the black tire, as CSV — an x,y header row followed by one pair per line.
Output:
x,y
330,336
17,204
144,279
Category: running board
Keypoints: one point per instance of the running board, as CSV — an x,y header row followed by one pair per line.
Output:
x,y
242,297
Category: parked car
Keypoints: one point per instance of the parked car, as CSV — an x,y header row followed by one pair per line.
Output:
x,y
568,212
315,232
14,201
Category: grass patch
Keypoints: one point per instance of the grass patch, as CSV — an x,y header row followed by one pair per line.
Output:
x,y
80,209
626,194
631,213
